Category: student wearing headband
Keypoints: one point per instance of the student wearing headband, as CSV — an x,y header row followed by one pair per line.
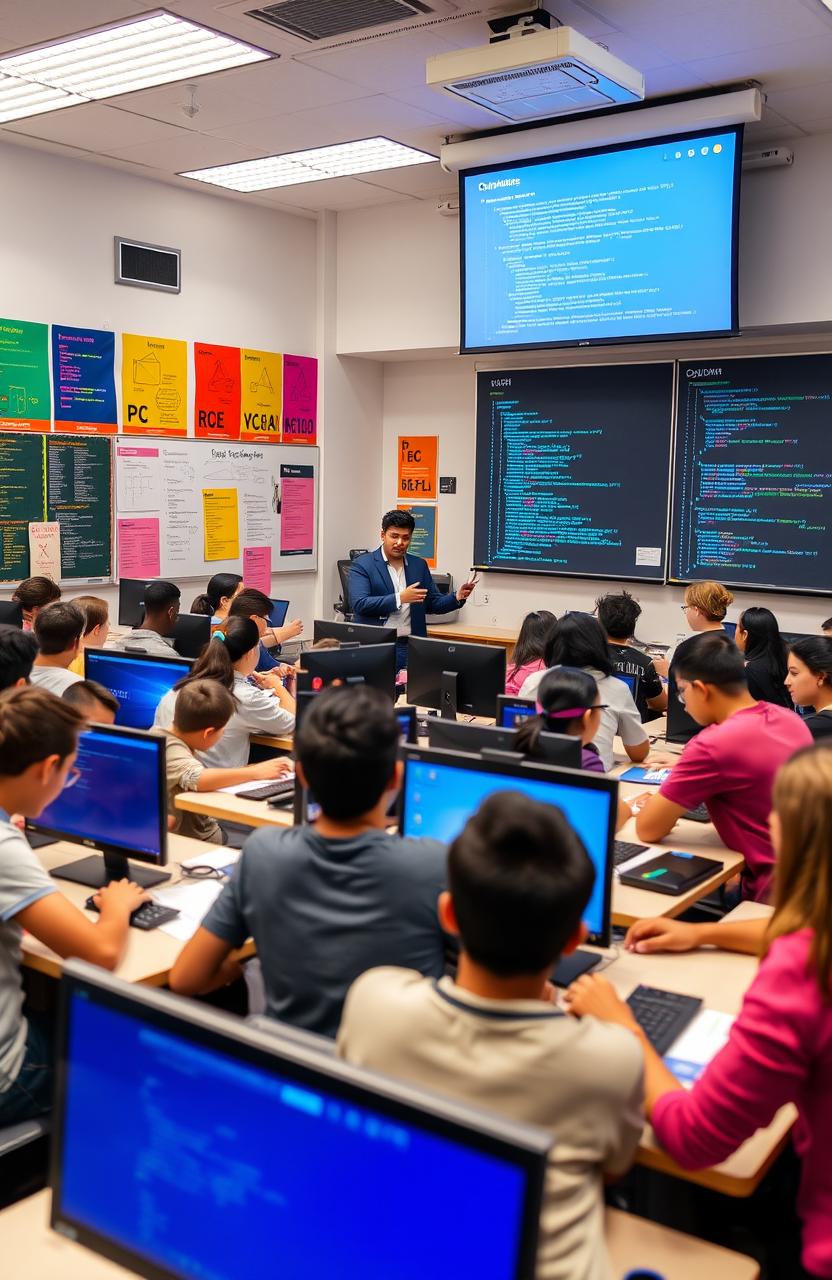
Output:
x,y
567,702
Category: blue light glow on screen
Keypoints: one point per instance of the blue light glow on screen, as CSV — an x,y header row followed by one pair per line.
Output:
x,y
631,242
138,683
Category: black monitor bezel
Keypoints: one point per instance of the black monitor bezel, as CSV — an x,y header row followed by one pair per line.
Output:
x,y
376,660
422,647
15,614
192,623
352,632
508,700
529,770
158,660
525,1147
275,603
621,339
478,736
123,621
110,846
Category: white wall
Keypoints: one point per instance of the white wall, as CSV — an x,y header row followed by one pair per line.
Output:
x,y
248,274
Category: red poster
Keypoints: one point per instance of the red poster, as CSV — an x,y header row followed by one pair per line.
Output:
x,y
217,393
300,400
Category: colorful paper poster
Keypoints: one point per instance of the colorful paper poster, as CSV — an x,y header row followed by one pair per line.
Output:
x,y
296,502
417,467
139,478
79,495
300,400
25,403
154,385
22,499
84,378
257,568
423,542
45,549
217,392
138,548
222,524
262,395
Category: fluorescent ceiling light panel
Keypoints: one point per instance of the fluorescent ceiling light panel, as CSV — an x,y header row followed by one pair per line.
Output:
x,y
157,48
343,160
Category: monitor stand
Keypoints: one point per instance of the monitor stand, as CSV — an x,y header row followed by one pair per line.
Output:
x,y
568,968
97,871
448,690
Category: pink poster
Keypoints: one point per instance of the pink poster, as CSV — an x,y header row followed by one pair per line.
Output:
x,y
297,517
300,400
257,568
138,548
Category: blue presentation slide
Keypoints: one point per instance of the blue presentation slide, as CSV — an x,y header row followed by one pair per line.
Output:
x,y
633,242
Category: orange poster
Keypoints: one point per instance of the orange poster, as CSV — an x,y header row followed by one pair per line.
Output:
x,y
217,392
417,466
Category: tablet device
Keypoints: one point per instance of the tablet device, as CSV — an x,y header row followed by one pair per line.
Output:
x,y
671,873
649,777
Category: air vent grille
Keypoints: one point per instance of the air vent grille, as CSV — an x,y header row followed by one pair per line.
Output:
x,y
147,266
323,19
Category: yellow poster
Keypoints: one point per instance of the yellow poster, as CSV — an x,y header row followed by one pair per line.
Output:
x,y
154,386
262,395
222,525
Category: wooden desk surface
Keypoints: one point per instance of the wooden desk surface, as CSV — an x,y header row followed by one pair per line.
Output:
x,y
228,808
279,744
31,1249
149,955
501,637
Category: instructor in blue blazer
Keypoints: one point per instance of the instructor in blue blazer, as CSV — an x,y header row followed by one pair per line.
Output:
x,y
387,586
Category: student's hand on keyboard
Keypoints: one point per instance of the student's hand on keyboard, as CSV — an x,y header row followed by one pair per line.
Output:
x,y
661,934
120,896
594,995
271,769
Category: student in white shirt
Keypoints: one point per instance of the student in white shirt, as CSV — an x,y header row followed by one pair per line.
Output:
x,y
262,704
58,630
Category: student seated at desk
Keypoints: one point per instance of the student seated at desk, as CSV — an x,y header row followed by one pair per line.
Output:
x,y
780,1047
327,901
18,650
758,638
262,707
527,657
218,596
618,615
729,766
577,640
35,594
96,628
705,607
809,681
155,635
254,604
519,882
58,631
96,704
38,744
203,709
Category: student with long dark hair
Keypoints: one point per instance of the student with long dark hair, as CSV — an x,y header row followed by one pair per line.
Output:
x,y
578,640
217,597
527,657
758,637
809,681
567,702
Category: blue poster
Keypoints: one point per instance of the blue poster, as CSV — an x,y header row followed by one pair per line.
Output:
x,y
423,542
83,376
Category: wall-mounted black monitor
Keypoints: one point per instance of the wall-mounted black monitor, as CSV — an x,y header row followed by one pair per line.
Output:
x,y
635,241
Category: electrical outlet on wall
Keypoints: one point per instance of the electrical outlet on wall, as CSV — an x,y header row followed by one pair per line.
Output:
x,y
485,599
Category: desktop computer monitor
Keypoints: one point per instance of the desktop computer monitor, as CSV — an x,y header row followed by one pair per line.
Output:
x,y
353,633
277,617
406,716
681,726
455,677
372,664
216,1166
630,681
11,613
511,711
139,681
792,637
131,601
442,789
454,735
730,629
118,806
191,633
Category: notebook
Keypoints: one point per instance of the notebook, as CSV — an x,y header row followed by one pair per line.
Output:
x,y
672,873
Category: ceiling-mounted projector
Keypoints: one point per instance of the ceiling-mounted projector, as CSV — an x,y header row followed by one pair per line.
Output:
x,y
527,73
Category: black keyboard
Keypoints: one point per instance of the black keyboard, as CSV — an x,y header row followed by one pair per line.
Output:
x,y
148,916
662,1015
282,787
624,850
699,814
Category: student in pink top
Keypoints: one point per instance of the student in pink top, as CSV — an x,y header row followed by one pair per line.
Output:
x,y
780,1047
731,764
527,657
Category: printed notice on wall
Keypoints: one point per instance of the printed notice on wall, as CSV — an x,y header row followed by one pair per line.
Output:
x,y
417,467
25,403
217,392
138,548
262,395
22,499
300,400
222,524
154,385
297,504
83,374
423,542
45,549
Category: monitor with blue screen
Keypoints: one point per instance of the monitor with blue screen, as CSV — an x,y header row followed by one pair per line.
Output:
x,y
511,712
730,629
441,791
117,806
138,681
277,617
220,1139
630,681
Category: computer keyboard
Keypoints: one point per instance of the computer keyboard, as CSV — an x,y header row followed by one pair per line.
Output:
x,y
699,814
281,787
148,916
662,1015
624,850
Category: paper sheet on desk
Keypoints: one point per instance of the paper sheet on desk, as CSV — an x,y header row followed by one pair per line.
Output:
x,y
240,788
192,901
699,1042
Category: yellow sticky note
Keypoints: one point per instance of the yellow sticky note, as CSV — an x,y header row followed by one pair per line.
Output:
x,y
222,525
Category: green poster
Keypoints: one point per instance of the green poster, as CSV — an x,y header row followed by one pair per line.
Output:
x,y
25,402
22,498
79,497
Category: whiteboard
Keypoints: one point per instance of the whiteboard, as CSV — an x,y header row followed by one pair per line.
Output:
x,y
253,496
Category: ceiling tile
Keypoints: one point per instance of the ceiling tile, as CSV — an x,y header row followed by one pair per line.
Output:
x,y
758,134
454,112
182,150
420,180
806,102
778,66
391,63
722,27
28,23
93,127
335,193
366,117
671,78
284,84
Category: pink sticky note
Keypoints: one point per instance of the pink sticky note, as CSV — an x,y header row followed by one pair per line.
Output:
x,y
138,548
257,568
